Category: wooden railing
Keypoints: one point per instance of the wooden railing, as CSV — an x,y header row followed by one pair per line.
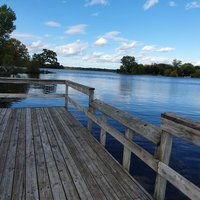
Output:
x,y
161,137
76,86
171,125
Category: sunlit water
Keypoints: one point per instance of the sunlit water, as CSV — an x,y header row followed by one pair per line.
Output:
x,y
143,96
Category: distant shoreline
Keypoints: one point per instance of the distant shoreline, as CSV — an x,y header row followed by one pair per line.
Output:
x,y
90,69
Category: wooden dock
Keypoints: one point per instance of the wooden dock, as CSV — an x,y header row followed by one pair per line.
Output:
x,y
45,153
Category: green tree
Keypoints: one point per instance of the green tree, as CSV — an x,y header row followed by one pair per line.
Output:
x,y
46,58
7,18
18,52
196,74
177,63
129,65
186,69
8,60
50,57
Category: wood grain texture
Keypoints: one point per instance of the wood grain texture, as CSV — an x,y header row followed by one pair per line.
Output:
x,y
47,154
145,129
185,186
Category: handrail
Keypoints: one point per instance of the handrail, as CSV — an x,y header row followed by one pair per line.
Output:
x,y
181,127
162,137
145,129
30,80
81,88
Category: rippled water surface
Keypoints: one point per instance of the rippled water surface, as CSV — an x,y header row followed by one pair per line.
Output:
x,y
143,96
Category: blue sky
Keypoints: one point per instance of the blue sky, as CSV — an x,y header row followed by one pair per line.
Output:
x,y
98,33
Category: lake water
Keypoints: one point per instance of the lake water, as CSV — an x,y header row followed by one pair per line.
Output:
x,y
143,96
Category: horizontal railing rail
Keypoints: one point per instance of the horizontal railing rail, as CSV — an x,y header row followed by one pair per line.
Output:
x,y
16,95
147,130
30,81
181,127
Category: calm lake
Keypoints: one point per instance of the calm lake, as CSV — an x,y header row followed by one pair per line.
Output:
x,y
143,96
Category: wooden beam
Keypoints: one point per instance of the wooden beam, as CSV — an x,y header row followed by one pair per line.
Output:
x,y
66,96
181,127
145,129
184,185
16,95
163,154
90,109
103,132
144,155
30,80
76,105
81,88
127,152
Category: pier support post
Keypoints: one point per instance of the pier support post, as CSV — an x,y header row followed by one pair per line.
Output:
x,y
103,132
90,109
163,154
127,152
66,95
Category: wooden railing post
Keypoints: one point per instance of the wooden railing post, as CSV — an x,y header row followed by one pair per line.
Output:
x,y
66,95
103,132
163,154
90,109
127,152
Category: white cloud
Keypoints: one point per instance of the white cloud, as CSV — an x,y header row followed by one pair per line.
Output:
x,y
71,49
127,46
193,4
149,3
148,48
100,57
52,24
165,49
172,4
47,35
101,42
96,2
148,59
77,29
95,14
197,63
37,46
24,35
114,35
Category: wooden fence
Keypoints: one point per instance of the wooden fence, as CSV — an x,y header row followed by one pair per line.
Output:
x,y
161,137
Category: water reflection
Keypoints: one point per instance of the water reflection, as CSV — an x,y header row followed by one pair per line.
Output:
x,y
125,86
12,88
35,88
38,88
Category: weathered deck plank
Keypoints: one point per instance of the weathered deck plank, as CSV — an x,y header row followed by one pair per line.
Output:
x,y
9,167
19,176
46,154
68,185
31,173
97,168
99,153
42,173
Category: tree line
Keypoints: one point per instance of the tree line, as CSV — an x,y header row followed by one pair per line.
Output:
x,y
176,69
14,53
